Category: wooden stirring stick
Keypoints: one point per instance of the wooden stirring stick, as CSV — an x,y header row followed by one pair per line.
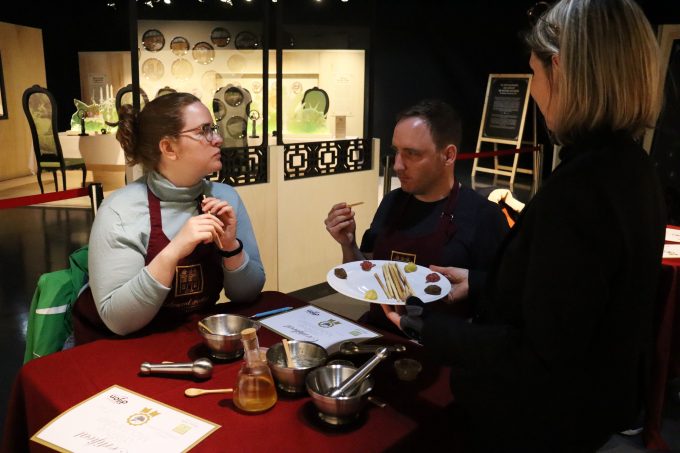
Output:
x,y
351,205
216,238
191,392
207,329
289,358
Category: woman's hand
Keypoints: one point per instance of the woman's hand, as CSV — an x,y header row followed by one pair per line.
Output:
x,y
458,277
198,229
225,213
203,228
227,242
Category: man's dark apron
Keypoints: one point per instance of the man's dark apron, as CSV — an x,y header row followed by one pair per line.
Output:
x,y
195,288
423,250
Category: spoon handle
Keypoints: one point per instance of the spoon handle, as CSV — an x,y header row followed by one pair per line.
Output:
x,y
218,391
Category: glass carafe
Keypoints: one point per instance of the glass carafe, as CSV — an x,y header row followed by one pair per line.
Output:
x,y
255,390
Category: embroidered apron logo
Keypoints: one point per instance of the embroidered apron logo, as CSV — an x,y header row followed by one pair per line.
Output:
x,y
189,280
403,257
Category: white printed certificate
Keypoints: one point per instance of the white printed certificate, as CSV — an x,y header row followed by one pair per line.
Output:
x,y
310,323
118,419
671,251
672,235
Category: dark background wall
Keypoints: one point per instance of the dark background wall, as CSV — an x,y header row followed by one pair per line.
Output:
x,y
418,48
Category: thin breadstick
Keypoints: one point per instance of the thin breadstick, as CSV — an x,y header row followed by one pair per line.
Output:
x,y
403,277
381,284
388,282
216,238
355,204
402,286
395,280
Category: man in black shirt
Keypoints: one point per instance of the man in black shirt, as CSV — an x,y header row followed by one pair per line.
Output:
x,y
431,219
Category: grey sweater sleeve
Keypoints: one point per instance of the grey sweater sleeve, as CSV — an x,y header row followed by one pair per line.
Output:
x,y
126,295
245,283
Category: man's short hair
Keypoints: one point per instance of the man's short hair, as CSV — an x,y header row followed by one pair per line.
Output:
x,y
443,120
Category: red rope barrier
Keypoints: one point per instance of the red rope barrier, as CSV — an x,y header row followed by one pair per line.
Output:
x,y
43,198
504,152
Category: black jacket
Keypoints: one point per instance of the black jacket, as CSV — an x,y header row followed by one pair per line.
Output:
x,y
554,358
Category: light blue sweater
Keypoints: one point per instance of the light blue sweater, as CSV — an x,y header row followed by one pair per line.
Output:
x,y
126,295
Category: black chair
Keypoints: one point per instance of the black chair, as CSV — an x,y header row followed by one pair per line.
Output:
x,y
124,96
41,112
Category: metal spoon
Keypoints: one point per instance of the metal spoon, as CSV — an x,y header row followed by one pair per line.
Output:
x,y
191,392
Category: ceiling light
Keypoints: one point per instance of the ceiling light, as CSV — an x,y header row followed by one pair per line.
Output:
x,y
167,2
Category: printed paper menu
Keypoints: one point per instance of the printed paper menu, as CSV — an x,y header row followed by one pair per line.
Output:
x,y
118,419
671,251
311,323
672,235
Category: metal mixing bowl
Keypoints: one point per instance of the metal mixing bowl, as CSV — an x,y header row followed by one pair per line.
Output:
x,y
225,342
336,411
305,356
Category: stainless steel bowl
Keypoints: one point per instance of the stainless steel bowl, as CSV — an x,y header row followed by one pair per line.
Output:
x,y
305,356
341,410
225,342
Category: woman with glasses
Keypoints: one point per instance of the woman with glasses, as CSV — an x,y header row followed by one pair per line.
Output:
x,y
164,246
554,359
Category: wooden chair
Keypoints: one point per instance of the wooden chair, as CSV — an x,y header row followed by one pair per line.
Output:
x,y
41,111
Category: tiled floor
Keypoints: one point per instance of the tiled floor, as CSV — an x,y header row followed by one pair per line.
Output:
x,y
35,240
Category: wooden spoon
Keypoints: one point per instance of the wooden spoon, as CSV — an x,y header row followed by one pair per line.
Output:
x,y
206,328
191,392
289,358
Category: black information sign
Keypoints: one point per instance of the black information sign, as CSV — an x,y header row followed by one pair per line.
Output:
x,y
505,108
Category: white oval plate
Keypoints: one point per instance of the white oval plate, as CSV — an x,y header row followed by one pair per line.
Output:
x,y
359,281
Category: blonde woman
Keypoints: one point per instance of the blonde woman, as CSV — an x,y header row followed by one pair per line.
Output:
x,y
554,358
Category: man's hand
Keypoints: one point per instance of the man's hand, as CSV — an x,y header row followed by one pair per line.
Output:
x,y
458,277
340,224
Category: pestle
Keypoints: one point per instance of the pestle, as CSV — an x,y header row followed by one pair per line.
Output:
x,y
355,379
200,368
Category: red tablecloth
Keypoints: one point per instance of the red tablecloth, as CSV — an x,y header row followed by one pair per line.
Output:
x,y
666,360
48,386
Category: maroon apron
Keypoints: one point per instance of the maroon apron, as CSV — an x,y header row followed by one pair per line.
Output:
x,y
195,288
424,250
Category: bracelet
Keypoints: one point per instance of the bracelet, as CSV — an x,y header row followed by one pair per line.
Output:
x,y
226,254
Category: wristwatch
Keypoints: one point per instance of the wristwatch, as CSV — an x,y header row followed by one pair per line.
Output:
x,y
229,254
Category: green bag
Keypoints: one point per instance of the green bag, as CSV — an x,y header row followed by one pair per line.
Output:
x,y
49,318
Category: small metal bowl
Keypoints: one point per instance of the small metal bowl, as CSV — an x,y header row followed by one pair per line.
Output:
x,y
305,356
225,342
341,410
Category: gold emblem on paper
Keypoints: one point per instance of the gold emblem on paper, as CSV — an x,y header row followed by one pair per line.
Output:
x,y
141,417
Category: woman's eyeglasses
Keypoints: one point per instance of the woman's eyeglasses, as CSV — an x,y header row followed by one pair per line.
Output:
x,y
536,13
207,131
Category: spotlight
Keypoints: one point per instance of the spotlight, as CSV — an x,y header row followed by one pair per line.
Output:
x,y
111,4
149,3
167,2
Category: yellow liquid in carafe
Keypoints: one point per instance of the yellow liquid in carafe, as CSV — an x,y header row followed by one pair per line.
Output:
x,y
255,390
